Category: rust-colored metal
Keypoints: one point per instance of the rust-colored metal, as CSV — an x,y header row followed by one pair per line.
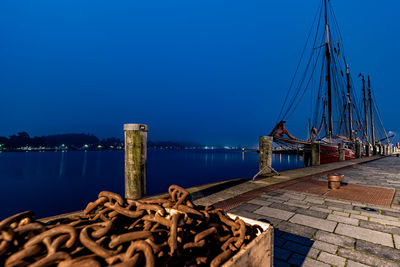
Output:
x,y
93,246
83,261
334,180
221,258
127,237
352,192
20,218
112,231
61,229
234,202
51,259
204,234
335,177
172,240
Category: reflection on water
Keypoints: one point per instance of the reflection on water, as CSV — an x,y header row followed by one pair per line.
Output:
x,y
287,161
62,163
84,163
55,182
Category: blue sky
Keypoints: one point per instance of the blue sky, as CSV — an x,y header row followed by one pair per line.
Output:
x,y
214,72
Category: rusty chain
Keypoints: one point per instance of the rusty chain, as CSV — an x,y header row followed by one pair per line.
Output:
x,y
112,231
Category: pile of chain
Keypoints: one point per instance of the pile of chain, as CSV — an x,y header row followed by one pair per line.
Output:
x,y
168,231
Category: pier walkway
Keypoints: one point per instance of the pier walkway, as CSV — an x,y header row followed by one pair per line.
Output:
x,y
316,230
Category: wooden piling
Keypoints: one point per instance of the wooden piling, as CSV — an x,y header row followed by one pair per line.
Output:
x,y
358,150
315,153
135,160
367,150
265,155
342,154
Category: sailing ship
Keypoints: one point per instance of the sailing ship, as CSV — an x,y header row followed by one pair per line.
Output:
x,y
339,117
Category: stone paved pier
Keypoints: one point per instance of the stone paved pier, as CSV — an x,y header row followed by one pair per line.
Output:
x,y
315,230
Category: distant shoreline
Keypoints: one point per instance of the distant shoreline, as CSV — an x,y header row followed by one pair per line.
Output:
x,y
278,151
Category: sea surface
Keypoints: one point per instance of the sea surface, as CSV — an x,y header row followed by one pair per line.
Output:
x,y
51,183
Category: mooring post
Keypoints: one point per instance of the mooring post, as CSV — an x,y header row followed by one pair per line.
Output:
x,y
265,155
342,156
315,153
135,160
358,150
367,150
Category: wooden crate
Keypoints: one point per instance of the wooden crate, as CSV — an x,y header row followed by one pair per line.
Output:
x,y
259,252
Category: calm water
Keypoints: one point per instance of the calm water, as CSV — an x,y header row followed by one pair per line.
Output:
x,y
51,183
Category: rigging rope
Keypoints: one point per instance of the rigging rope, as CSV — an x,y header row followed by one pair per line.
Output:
x,y
299,63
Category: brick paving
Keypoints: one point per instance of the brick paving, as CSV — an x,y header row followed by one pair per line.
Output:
x,y
384,173
368,194
318,230
321,230
314,230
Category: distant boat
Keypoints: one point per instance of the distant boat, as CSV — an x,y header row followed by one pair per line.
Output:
x,y
337,116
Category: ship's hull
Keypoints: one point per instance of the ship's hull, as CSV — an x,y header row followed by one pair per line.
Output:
x,y
330,153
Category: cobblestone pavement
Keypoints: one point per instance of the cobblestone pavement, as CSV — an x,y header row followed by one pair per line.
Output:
x,y
285,176
315,230
312,230
384,172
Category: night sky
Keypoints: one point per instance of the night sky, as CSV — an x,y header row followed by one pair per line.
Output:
x,y
214,72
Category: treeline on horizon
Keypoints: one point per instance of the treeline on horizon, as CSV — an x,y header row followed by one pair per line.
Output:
x,y
78,141
72,141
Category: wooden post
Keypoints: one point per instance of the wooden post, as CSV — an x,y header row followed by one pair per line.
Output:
x,y
265,155
135,160
342,156
315,153
374,150
367,150
358,150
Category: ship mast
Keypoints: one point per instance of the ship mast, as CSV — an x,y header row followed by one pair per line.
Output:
x,y
370,109
365,108
349,100
328,66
